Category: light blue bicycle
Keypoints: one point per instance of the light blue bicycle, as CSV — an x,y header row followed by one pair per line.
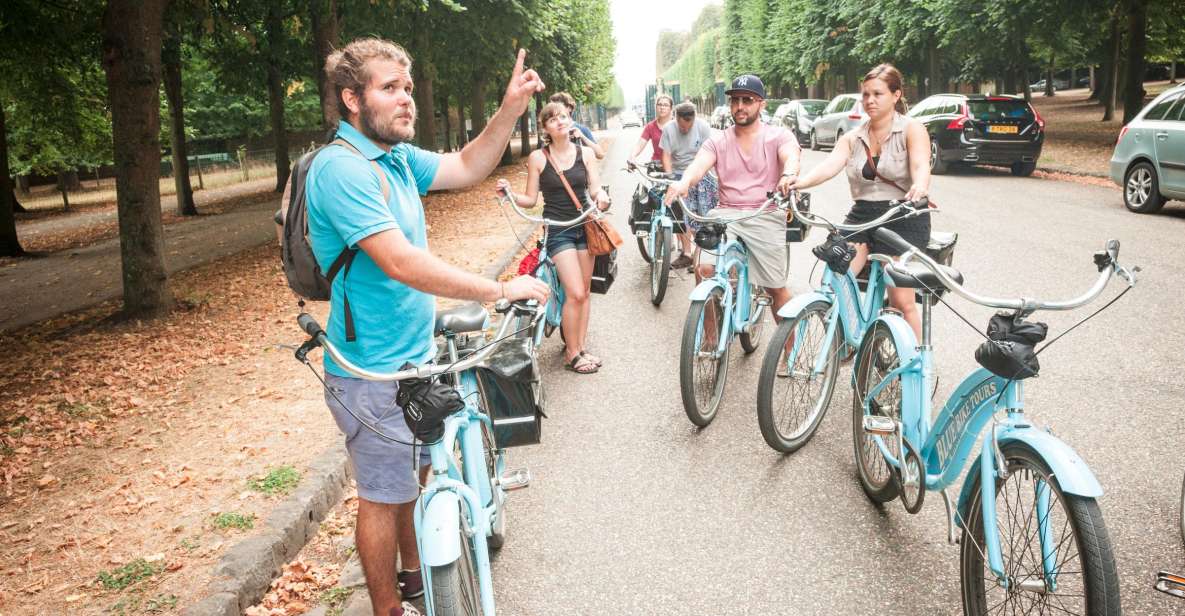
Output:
x,y
655,226
722,306
826,325
460,515
1033,539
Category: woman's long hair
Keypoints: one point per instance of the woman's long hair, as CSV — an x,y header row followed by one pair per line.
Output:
x,y
892,77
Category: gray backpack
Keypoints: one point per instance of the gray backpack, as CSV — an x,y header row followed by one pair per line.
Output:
x,y
296,253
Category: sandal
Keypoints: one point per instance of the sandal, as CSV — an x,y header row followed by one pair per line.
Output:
x,y
593,358
581,365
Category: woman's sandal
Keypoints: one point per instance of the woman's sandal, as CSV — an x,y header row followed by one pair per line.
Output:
x,y
581,365
593,358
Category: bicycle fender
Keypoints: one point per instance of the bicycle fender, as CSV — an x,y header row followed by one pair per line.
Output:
x,y
704,289
1072,474
440,543
903,338
797,303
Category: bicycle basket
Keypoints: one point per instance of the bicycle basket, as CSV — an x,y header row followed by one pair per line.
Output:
x,y
642,207
512,394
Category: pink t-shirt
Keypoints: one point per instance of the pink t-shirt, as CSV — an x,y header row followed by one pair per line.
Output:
x,y
746,177
653,132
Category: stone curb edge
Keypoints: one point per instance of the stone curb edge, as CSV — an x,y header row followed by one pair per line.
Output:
x,y
245,572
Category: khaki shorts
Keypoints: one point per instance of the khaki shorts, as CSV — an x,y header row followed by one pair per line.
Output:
x,y
765,239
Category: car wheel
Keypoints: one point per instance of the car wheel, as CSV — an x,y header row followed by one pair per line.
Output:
x,y
1023,169
1141,189
814,140
937,165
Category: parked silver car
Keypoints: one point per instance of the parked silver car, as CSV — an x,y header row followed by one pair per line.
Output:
x,y
1149,158
841,115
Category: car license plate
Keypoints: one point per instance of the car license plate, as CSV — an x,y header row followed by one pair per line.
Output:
x,y
1007,130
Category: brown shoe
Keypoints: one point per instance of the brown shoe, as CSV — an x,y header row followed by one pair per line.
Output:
x,y
681,262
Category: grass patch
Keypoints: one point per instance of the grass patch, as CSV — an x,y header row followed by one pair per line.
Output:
x,y
160,603
279,480
190,544
335,600
129,574
231,519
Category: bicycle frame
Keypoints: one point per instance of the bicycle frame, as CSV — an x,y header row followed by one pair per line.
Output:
x,y
555,304
852,312
736,305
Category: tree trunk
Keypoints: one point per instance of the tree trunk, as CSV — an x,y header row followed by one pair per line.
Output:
x,y
524,129
1173,71
131,44
447,129
937,84
63,185
22,184
424,74
1049,89
9,245
1137,44
1010,81
170,60
326,23
477,105
538,128
275,93
820,88
1094,83
1111,68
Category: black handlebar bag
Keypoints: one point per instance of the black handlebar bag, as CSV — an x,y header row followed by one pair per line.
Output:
x,y
509,384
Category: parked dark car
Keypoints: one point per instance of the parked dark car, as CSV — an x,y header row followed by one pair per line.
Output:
x,y
797,116
981,129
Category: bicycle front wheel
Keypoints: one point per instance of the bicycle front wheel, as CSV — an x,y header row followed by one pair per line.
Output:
x,y
878,357
660,266
702,371
751,339
791,397
455,589
1078,575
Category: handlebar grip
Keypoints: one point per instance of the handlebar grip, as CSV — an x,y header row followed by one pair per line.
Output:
x,y
309,324
1113,249
891,238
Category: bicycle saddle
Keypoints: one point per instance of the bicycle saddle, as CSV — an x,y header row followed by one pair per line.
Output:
x,y
470,317
918,276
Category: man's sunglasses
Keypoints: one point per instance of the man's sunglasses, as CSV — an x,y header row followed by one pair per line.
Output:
x,y
742,100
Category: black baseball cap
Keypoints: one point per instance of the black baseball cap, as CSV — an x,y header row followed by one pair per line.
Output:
x,y
747,84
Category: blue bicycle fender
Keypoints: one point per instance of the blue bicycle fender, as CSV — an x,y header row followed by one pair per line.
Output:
x,y
904,339
440,543
704,289
797,303
1072,474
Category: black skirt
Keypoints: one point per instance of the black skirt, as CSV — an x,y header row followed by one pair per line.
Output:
x,y
916,230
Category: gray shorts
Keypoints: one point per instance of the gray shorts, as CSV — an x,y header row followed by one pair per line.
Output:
x,y
765,239
382,469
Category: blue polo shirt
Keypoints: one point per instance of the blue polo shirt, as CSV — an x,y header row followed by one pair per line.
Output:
x,y
392,321
584,129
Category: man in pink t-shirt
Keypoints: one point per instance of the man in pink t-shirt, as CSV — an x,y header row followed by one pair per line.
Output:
x,y
751,159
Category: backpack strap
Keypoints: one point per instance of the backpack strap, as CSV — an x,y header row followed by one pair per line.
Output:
x,y
346,257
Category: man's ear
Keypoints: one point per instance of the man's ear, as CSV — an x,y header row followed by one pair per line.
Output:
x,y
352,100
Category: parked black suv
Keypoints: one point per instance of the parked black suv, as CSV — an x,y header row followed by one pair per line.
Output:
x,y
981,129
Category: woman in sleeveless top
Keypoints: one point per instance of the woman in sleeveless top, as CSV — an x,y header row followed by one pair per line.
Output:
x,y
886,159
566,245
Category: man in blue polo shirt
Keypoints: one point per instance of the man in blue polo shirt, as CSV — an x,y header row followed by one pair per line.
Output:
x,y
392,282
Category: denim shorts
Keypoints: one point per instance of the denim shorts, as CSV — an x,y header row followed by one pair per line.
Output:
x,y
560,239
382,469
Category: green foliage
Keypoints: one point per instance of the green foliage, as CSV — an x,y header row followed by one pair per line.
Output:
x,y
279,480
698,69
135,571
231,519
160,604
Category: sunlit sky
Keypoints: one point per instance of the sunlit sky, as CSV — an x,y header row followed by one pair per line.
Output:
x,y
636,24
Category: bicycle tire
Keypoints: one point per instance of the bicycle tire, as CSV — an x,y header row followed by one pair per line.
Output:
x,y
751,339
660,267
644,249
497,536
1093,577
770,422
1181,511
701,413
878,356
455,590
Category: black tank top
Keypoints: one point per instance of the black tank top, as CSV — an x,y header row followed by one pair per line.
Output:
x,y
557,205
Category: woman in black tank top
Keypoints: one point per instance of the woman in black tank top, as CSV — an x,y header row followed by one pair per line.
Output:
x,y
567,246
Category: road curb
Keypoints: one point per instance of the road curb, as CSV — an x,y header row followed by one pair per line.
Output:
x,y
1072,171
247,569
245,572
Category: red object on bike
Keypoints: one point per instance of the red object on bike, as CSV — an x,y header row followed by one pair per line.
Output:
x,y
529,264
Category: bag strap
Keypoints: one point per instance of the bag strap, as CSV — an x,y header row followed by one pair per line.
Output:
x,y
875,171
567,186
373,163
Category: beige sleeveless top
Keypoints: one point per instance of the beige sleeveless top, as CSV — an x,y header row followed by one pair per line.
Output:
x,y
893,164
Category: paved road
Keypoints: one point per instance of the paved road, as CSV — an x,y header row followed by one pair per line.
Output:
x,y
634,511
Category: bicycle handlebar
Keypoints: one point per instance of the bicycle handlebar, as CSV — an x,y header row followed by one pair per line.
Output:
x,y
1107,261
911,209
508,198
319,338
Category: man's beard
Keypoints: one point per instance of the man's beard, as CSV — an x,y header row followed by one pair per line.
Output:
x,y
387,134
752,118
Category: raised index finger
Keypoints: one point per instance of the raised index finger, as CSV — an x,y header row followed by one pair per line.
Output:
x,y
518,64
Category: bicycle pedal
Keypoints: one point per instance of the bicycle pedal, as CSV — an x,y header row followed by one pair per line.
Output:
x,y
878,424
515,480
1171,583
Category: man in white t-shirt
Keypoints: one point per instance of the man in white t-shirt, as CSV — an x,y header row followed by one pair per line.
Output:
x,y
680,142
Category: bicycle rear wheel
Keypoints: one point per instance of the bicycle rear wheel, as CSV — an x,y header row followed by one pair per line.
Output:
x,y
701,372
1085,581
455,589
878,357
791,398
660,266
